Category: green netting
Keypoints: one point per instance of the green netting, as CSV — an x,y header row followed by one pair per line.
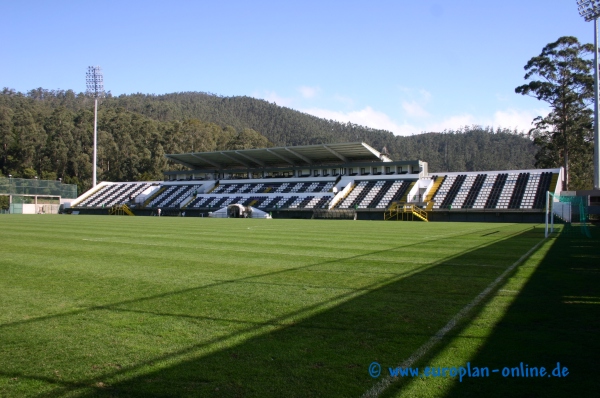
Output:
x,y
35,187
578,225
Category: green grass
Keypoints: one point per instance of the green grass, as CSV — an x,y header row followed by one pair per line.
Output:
x,y
147,306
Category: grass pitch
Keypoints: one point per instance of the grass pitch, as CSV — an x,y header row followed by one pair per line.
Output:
x,y
148,306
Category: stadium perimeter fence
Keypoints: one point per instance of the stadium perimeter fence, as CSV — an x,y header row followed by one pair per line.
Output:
x,y
34,195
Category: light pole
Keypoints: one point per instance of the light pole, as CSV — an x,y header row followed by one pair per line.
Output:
x,y
95,87
590,10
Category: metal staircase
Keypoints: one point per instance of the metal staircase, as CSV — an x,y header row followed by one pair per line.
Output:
x,y
120,210
405,212
434,188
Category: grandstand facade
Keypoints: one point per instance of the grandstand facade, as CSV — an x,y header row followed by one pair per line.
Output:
x,y
296,182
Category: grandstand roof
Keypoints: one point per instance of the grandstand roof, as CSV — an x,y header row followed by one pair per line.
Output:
x,y
306,155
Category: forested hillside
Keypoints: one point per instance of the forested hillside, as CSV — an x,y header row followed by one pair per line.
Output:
x,y
468,149
50,134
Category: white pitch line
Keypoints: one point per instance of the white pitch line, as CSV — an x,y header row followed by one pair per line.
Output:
x,y
380,387
127,243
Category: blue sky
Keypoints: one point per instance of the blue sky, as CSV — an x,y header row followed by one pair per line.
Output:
x,y
404,66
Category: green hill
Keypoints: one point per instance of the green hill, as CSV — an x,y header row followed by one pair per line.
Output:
x,y
468,149
49,133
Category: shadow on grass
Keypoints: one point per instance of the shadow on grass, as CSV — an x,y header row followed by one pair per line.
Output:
x,y
328,354
554,319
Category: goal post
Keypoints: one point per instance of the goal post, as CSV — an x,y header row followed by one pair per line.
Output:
x,y
549,214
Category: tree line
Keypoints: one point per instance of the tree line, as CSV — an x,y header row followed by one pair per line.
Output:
x,y
285,126
49,134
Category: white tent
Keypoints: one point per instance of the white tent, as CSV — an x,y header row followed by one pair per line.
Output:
x,y
239,211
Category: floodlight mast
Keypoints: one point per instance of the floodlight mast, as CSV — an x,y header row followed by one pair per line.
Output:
x,y
590,10
95,87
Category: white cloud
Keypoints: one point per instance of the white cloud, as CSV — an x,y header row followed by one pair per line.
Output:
x,y
508,118
453,122
519,119
272,96
425,95
309,92
414,102
365,117
413,109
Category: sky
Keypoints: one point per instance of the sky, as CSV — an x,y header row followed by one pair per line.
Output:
x,y
404,66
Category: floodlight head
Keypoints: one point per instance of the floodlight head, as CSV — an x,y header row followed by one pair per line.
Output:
x,y
589,9
94,82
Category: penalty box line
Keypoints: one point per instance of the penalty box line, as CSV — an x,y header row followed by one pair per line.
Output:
x,y
380,387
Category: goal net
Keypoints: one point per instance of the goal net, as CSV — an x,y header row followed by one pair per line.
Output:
x,y
571,211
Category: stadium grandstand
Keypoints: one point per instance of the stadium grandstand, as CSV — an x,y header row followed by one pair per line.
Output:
x,y
325,180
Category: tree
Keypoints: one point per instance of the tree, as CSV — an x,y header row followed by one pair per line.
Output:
x,y
58,127
248,139
6,136
565,82
4,202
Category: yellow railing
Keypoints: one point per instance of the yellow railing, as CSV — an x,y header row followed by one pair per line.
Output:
x,y
120,210
407,212
405,196
417,211
436,184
